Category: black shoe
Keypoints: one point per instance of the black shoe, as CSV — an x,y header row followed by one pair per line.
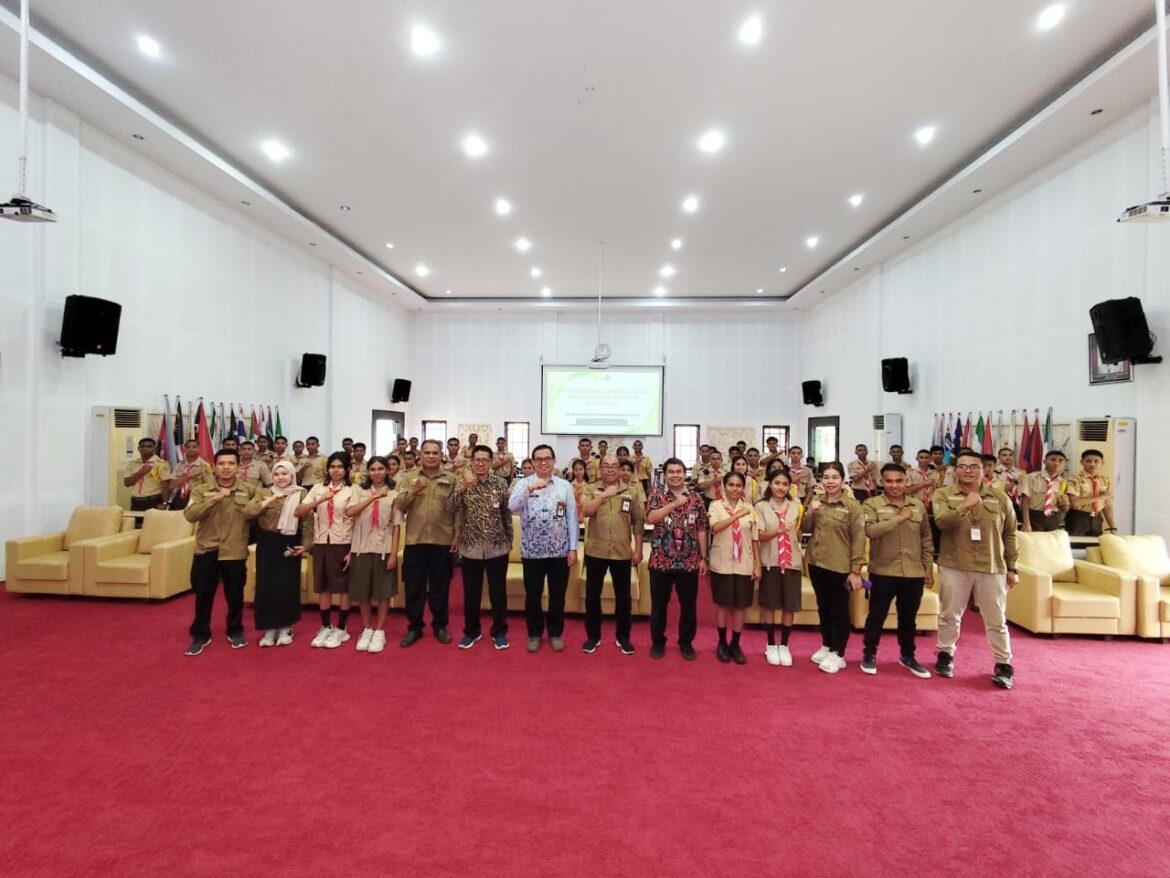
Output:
x,y
589,646
410,638
197,646
688,652
737,655
869,663
1002,676
442,636
911,664
657,650
723,653
625,646
945,666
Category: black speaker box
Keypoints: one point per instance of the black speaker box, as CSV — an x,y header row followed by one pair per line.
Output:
x,y
896,375
312,370
90,326
1122,331
401,391
812,393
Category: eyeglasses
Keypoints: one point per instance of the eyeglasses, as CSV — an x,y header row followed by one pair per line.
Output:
x,y
968,467
542,459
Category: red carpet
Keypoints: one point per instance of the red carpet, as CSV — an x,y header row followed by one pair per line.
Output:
x,y
120,756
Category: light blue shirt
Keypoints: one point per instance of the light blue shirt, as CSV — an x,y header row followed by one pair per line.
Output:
x,y
548,518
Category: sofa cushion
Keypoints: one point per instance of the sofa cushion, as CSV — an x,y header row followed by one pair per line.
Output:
x,y
87,522
53,566
1049,553
127,569
161,526
1072,601
1145,555
1164,604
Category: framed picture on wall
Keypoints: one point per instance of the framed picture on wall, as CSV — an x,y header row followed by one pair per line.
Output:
x,y
1105,373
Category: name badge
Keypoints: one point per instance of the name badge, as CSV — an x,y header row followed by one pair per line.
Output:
x,y
560,513
495,502
692,517
444,482
625,504
976,535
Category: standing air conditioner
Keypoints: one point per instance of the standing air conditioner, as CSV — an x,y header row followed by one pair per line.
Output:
x,y
113,443
1115,438
887,431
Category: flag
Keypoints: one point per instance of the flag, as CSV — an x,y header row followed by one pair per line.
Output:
x,y
1024,458
279,429
979,428
203,436
1048,429
1037,441
221,427
967,433
213,426
166,449
241,430
956,439
268,431
253,425
989,436
1011,439
178,432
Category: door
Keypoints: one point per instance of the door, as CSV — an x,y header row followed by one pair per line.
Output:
x,y
385,430
822,440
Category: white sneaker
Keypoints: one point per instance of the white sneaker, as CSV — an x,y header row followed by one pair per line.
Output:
x,y
337,636
832,663
269,638
785,656
322,636
285,637
377,642
820,655
772,654
363,643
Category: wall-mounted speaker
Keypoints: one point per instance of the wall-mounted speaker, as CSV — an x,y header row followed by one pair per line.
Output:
x,y
90,326
896,375
1122,331
812,393
312,370
401,391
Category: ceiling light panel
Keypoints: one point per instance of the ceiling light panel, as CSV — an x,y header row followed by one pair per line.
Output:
x,y
424,42
275,150
1050,16
690,204
751,31
474,146
149,46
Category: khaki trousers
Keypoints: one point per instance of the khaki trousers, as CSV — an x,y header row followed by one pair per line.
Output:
x,y
990,589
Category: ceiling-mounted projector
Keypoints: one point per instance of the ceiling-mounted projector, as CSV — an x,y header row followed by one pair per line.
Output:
x,y
1151,212
24,211
601,355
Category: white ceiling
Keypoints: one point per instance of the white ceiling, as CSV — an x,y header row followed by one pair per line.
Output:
x,y
592,112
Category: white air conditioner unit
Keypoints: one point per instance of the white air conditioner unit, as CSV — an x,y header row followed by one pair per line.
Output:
x,y
1115,438
113,443
887,431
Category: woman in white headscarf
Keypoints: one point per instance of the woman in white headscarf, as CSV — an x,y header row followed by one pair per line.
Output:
x,y
278,557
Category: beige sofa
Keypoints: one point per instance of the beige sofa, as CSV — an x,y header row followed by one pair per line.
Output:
x,y
154,562
52,563
1145,558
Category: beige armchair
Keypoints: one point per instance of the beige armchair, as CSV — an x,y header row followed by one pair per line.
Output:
x,y
52,563
1058,594
154,562
1145,557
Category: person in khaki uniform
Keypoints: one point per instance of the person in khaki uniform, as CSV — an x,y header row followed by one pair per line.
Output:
x,y
977,555
628,479
252,470
220,510
332,548
734,563
711,478
373,570
147,478
503,463
804,480
311,466
264,454
192,470
643,467
901,557
1091,498
432,536
615,513
863,475
1044,495
780,563
699,465
455,462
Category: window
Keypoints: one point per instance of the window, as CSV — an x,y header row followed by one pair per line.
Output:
x,y
781,433
516,435
435,430
686,443
387,427
822,440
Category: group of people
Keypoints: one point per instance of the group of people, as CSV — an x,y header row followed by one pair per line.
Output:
x,y
751,526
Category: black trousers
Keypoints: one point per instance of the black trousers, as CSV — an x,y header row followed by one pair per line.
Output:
x,y
619,572
1042,522
935,533
887,589
206,572
556,571
497,577
687,586
141,504
1083,524
832,607
861,495
426,574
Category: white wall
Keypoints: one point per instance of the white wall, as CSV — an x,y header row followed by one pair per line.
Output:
x,y
993,311
733,368
213,305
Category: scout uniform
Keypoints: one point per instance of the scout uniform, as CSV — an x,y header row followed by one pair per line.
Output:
x,y
803,482
504,465
311,470
332,534
268,458
1091,509
781,556
197,472
611,535
836,549
371,541
901,556
255,473
357,473
1044,500
714,491
863,479
146,491
731,559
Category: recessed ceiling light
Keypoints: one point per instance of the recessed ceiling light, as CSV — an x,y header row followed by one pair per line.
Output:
x,y
448,292
760,290
1050,16
536,272
690,203
811,242
676,244
474,146
389,246
523,245
660,291
783,268
924,135
751,31
344,207
545,291
275,150
856,200
149,46
424,42
667,271
421,270
503,206
712,141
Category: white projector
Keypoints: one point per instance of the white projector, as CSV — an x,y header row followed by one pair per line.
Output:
x,y
1151,212
24,211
